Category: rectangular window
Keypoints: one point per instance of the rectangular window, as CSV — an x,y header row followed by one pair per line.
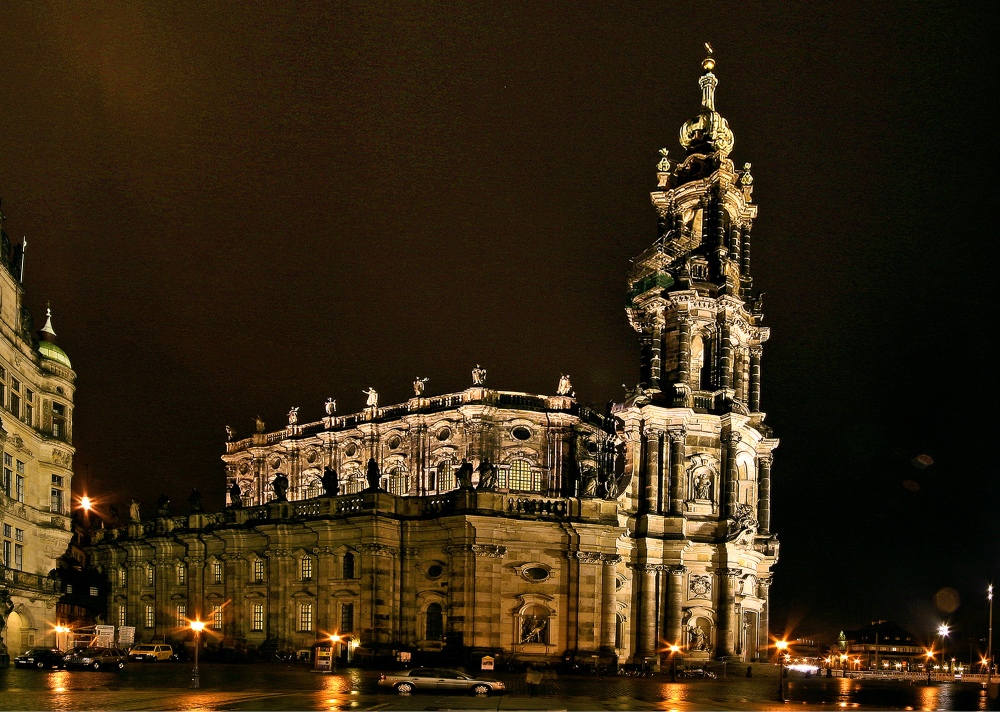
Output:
x,y
8,531
217,617
217,572
307,568
258,570
8,473
29,407
18,556
15,385
69,588
150,575
94,592
257,620
181,574
150,617
15,404
122,618
6,553
19,534
58,420
56,503
57,480
305,617
347,618
122,578
182,612
19,488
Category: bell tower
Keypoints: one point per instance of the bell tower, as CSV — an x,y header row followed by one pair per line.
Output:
x,y
697,448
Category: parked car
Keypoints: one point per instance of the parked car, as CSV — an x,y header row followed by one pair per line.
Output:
x,y
696,672
438,680
151,653
96,658
40,658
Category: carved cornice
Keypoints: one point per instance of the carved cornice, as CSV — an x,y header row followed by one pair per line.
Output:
x,y
378,550
678,570
647,568
677,435
733,438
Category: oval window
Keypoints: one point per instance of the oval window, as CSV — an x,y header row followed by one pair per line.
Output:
x,y
535,573
311,457
393,442
444,434
351,450
591,446
434,571
276,463
521,433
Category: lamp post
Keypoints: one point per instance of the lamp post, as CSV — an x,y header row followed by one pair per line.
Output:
x,y
334,639
927,664
781,647
989,639
674,649
197,627
61,631
943,631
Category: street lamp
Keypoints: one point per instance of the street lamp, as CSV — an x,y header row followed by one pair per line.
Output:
x,y
674,649
60,631
333,653
989,639
781,646
197,627
943,631
927,664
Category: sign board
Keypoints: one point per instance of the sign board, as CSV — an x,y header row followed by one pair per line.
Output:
x,y
405,656
126,636
486,663
104,636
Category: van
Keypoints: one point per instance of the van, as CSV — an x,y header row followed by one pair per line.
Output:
x,y
151,652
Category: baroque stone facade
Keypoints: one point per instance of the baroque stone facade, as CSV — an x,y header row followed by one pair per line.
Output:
x,y
36,410
511,524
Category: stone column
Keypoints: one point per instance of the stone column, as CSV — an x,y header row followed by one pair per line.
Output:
x,y
652,466
234,578
684,347
764,493
485,629
732,440
726,355
646,628
655,344
763,635
609,598
745,253
678,437
675,600
726,640
754,397
280,614
666,480
165,622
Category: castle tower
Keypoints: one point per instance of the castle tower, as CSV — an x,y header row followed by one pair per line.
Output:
x,y
698,451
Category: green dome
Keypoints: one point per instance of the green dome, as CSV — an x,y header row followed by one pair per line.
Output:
x,y
49,350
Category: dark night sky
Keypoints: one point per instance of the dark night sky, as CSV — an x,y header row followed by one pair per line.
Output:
x,y
238,208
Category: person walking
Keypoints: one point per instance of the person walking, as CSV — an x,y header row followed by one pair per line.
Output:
x,y
533,678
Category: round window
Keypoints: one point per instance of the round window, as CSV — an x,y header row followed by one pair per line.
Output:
x,y
591,446
521,433
351,450
434,571
444,434
393,442
311,457
276,463
244,468
535,573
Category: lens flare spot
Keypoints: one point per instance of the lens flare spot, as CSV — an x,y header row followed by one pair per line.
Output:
x,y
947,600
922,462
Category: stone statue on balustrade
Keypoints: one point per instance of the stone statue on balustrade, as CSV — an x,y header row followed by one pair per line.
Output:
x,y
163,506
464,475
194,499
280,486
331,485
374,475
487,475
235,495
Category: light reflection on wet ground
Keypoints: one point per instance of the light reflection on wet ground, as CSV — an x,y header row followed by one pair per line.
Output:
x,y
290,687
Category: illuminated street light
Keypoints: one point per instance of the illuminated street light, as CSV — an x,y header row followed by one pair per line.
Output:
x,y
674,649
86,504
197,627
943,630
333,653
989,640
782,647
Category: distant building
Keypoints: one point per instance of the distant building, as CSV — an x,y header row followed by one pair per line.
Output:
x,y
882,645
509,524
36,410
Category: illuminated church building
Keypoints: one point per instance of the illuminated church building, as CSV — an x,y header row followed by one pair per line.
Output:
x,y
500,523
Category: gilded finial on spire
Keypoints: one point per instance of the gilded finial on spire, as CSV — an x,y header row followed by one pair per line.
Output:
x,y
664,165
708,64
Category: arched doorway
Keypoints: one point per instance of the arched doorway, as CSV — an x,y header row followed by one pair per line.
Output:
x,y
13,634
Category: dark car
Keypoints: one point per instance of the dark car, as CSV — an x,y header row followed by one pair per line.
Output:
x,y
95,659
438,680
40,658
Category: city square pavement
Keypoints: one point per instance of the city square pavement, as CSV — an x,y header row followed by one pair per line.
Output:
x,y
166,686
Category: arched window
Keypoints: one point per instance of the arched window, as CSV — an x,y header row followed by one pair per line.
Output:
x,y
352,481
398,480
619,631
434,621
521,477
446,476
348,565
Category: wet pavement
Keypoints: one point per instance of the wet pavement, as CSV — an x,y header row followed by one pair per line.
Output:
x,y
166,686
